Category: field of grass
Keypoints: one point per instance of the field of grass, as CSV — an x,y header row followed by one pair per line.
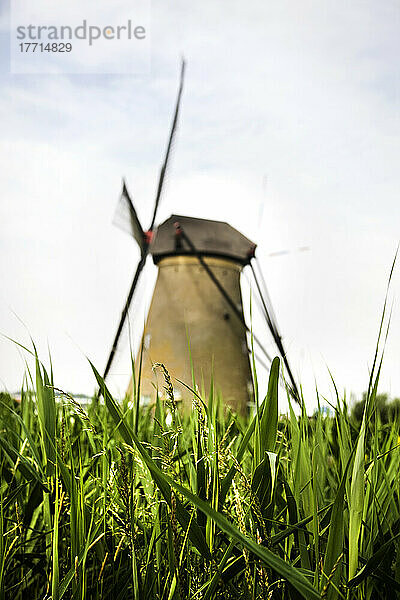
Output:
x,y
114,501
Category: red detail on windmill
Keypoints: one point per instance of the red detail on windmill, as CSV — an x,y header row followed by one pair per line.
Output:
x,y
178,230
148,236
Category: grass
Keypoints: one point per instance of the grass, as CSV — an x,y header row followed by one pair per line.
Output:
x,y
115,501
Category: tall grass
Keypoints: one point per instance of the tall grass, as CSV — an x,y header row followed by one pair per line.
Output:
x,y
116,501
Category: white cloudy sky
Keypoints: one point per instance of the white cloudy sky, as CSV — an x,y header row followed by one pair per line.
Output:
x,y
289,131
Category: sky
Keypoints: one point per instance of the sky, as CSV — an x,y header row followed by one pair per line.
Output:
x,y
289,131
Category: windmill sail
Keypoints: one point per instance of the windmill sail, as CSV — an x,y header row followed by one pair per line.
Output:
x,y
126,218
273,327
132,223
171,138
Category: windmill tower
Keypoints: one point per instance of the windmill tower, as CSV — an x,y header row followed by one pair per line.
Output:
x,y
197,301
188,308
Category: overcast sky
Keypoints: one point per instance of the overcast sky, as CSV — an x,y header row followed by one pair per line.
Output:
x,y
289,131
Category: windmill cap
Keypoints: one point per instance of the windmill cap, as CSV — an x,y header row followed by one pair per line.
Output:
x,y
206,237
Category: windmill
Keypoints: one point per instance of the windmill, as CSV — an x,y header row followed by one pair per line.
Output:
x,y
196,316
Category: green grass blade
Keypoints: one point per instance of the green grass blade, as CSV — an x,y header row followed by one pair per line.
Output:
x,y
373,563
269,418
130,438
283,568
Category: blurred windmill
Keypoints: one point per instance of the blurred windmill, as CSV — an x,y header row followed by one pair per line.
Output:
x,y
197,300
